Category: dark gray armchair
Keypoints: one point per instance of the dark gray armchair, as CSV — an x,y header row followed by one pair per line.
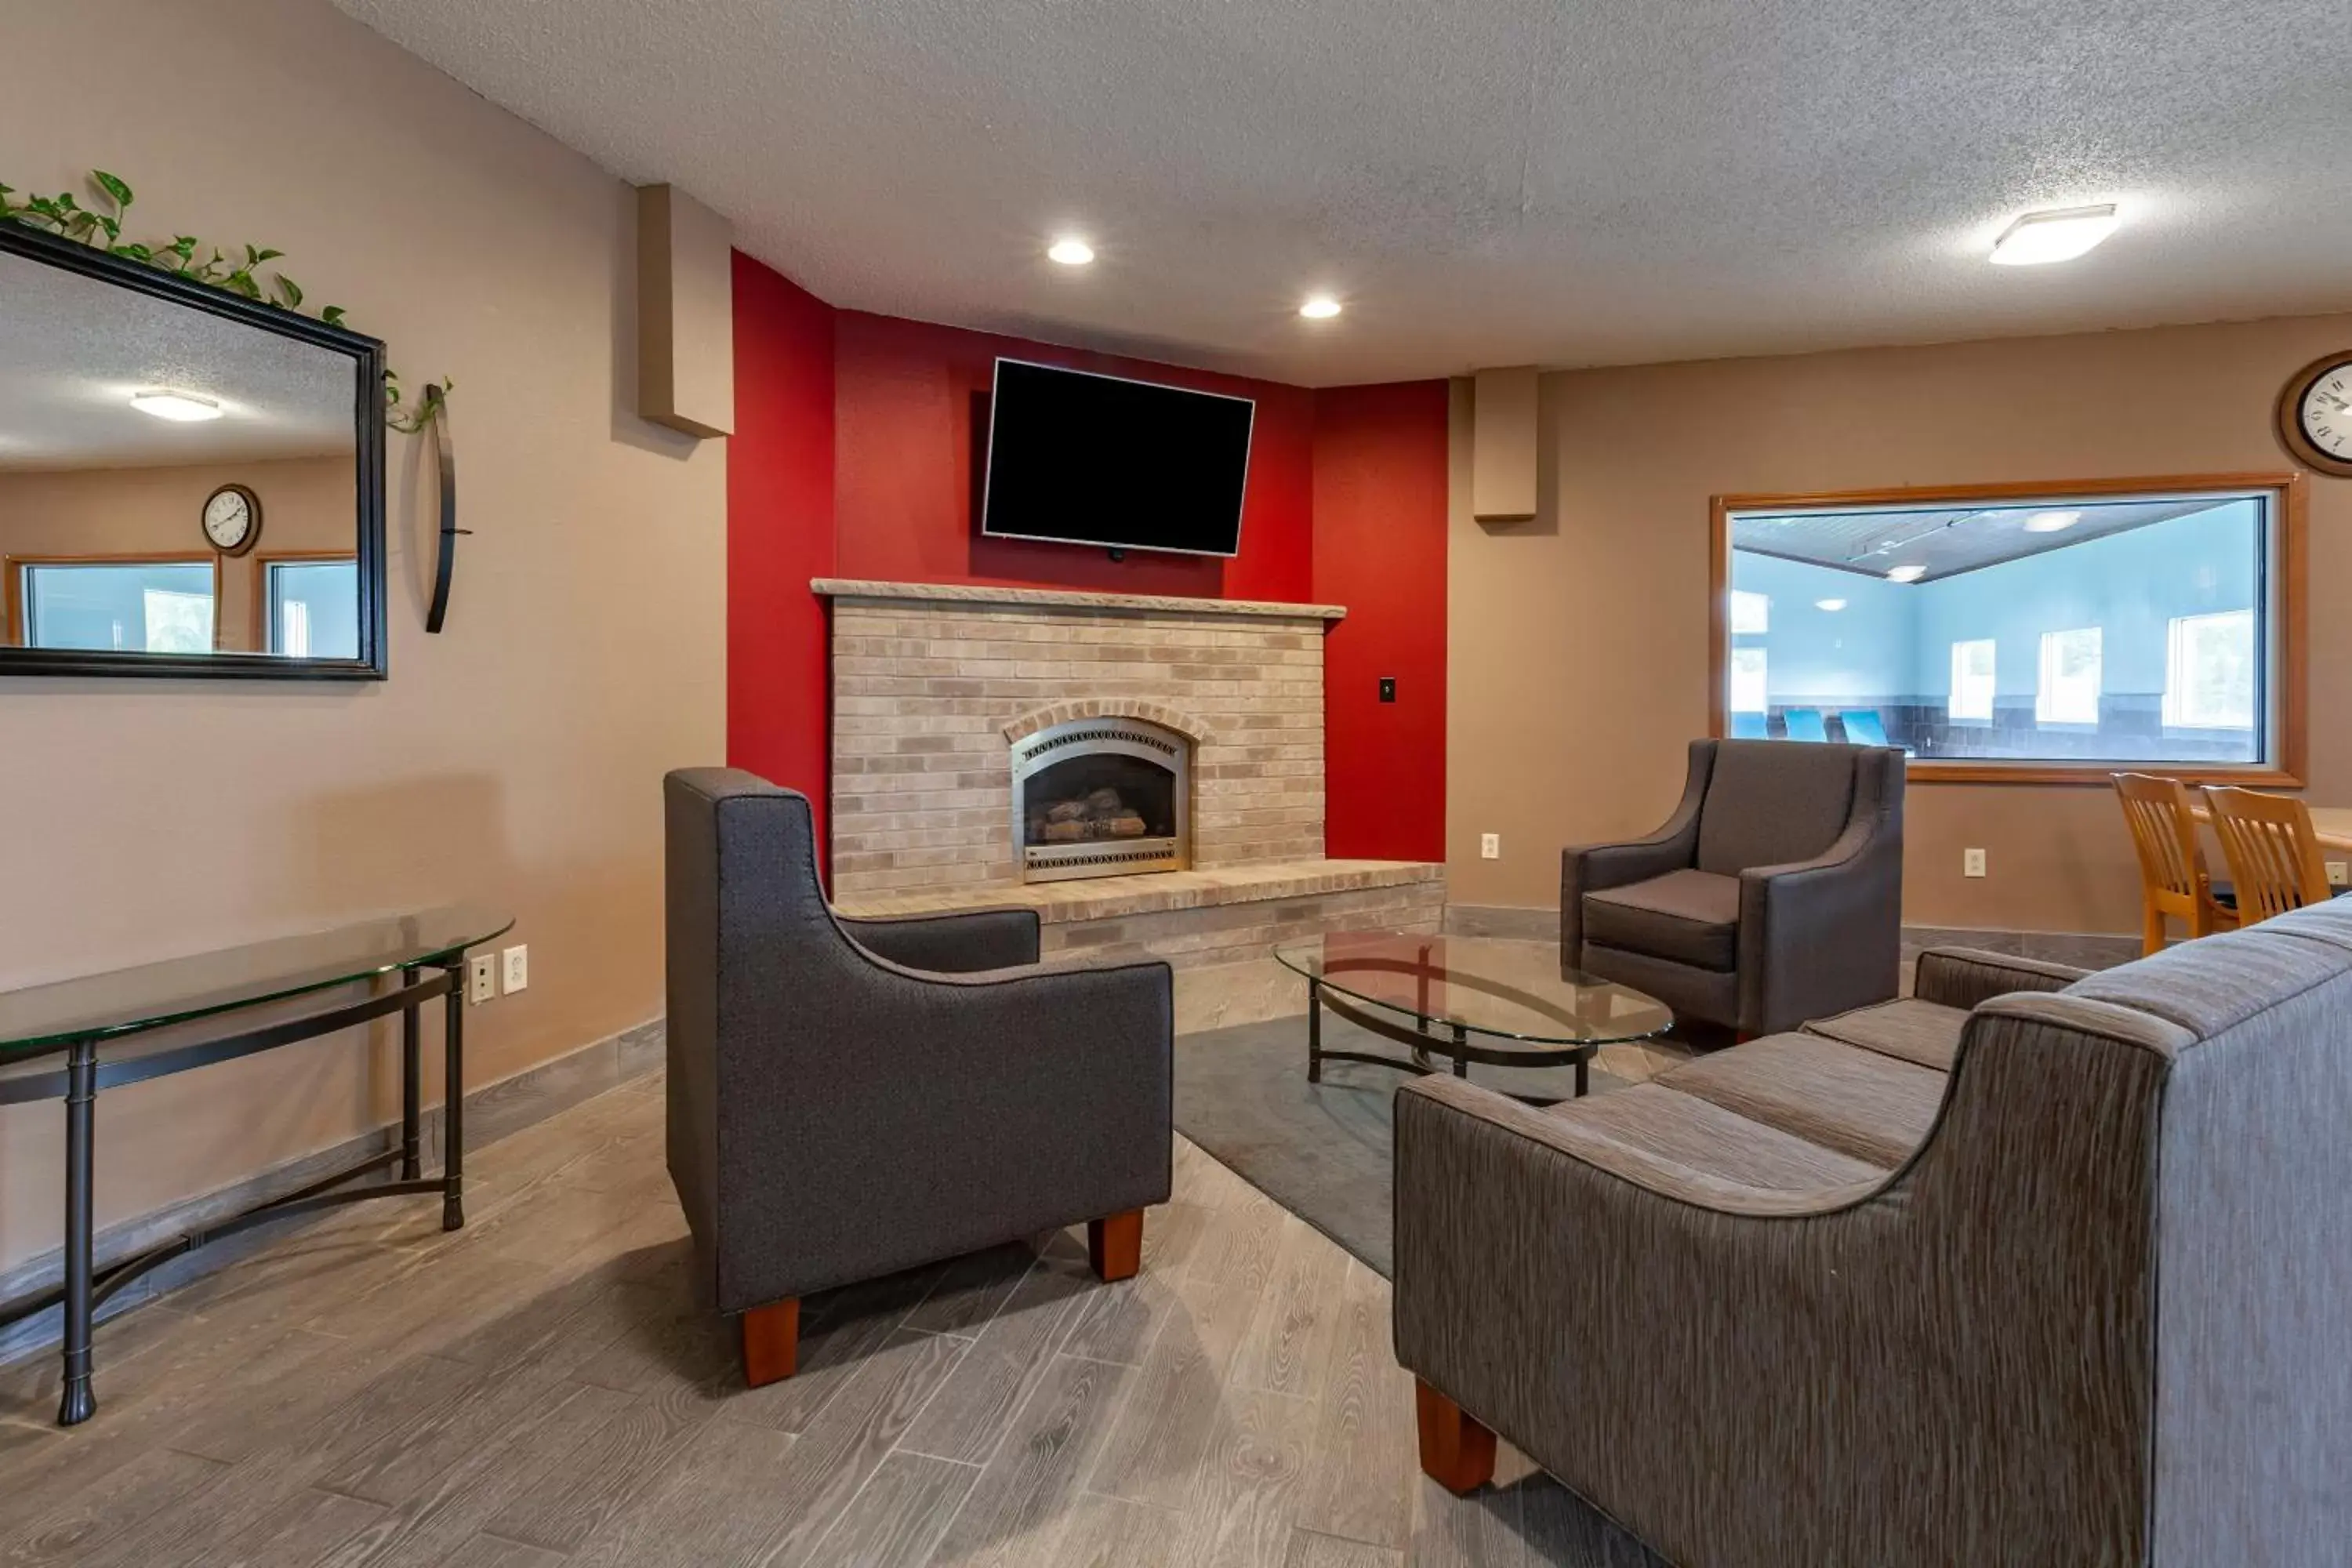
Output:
x,y
1773,895
851,1097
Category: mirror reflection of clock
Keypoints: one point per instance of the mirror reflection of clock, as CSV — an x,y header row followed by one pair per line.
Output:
x,y
232,520
2314,416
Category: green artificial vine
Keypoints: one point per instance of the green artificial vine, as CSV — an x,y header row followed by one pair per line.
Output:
x,y
101,228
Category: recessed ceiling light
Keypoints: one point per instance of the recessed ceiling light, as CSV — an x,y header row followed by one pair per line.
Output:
x,y
1907,573
177,406
2059,236
2051,521
1070,252
1320,308
1831,606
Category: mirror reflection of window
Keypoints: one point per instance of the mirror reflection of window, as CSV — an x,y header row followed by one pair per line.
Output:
x,y
313,608
120,606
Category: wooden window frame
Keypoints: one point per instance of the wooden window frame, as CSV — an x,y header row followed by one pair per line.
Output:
x,y
262,562
2289,675
12,591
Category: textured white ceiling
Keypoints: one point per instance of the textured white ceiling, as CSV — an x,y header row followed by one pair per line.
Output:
x,y
1484,182
73,350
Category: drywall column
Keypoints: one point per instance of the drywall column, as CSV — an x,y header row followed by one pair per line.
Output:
x,y
1503,443
686,313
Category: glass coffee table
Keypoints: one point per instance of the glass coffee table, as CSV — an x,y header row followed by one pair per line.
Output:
x,y
1472,999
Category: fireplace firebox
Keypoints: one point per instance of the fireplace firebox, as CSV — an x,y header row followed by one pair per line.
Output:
x,y
1102,797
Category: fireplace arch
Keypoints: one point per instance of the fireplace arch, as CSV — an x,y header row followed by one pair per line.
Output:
x,y
1102,797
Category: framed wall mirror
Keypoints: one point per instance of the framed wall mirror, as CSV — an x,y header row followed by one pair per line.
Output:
x,y
191,482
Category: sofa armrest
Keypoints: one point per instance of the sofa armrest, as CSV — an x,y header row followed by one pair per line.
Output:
x,y
1963,976
953,943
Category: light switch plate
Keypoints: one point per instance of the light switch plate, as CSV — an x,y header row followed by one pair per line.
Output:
x,y
1972,862
2338,874
481,977
517,968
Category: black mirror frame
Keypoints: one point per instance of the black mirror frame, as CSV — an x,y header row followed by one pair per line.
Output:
x,y
366,354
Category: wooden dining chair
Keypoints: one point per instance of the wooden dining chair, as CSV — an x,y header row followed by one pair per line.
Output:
x,y
2272,850
2173,881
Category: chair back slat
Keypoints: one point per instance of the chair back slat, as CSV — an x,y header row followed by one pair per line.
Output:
x,y
2164,832
2274,853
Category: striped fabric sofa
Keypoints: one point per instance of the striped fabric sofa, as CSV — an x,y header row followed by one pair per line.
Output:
x,y
2034,1267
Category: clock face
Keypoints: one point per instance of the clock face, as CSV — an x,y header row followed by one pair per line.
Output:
x,y
2325,415
231,519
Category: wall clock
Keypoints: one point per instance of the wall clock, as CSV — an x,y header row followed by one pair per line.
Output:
x,y
232,520
2315,415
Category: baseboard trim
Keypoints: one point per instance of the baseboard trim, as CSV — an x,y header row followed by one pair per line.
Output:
x,y
493,1111
2087,949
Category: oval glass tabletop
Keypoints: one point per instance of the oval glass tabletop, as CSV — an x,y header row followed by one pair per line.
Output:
x,y
1511,991
42,1018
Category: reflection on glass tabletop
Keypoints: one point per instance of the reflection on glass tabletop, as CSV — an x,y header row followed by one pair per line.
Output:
x,y
1515,990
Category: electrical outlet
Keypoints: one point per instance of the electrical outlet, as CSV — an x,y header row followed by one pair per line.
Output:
x,y
481,977
1388,687
2339,875
1490,847
518,969
1972,863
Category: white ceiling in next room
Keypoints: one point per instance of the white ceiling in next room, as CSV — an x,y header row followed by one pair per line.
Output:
x,y
1481,182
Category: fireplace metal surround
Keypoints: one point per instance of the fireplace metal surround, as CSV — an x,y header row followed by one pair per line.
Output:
x,y
1102,797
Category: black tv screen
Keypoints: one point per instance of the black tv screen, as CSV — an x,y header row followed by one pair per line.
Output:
x,y
1080,459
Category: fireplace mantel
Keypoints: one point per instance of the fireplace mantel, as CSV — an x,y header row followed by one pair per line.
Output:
x,y
1078,603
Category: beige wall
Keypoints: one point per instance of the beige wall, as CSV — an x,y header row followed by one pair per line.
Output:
x,y
306,508
1579,640
516,757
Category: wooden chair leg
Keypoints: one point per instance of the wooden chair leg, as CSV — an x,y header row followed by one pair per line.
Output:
x,y
771,1342
1457,1452
1115,1244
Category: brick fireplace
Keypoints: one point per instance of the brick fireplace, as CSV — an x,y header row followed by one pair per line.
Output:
x,y
1176,750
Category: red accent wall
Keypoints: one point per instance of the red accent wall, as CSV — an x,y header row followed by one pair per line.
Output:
x,y
780,534
1380,481
857,453
910,415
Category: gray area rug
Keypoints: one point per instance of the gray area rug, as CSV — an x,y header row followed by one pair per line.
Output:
x,y
1325,1151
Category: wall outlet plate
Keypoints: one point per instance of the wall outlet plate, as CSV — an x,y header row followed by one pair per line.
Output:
x,y
1388,687
1972,862
1490,847
2339,874
481,977
517,968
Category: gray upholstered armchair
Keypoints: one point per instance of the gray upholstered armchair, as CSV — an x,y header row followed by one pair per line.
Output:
x,y
851,1097
1773,895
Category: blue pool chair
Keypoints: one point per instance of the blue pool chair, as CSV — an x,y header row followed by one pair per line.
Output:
x,y
1863,727
1748,726
1805,724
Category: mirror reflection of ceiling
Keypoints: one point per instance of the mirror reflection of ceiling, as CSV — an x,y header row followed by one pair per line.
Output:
x,y
74,350
1946,540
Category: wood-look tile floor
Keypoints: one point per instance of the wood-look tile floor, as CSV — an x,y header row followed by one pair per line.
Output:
x,y
538,1390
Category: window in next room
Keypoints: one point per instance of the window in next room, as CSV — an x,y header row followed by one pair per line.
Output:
x,y
2016,635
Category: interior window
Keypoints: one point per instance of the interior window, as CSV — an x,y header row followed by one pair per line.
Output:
x,y
129,607
314,608
2086,630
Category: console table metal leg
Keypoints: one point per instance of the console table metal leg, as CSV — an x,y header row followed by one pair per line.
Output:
x,y
78,1403
1461,1057
452,1105
411,1086
1584,1079
1314,1032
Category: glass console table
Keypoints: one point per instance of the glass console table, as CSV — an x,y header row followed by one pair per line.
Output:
x,y
68,1040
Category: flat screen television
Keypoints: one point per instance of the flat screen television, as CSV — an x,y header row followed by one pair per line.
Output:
x,y
1079,458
